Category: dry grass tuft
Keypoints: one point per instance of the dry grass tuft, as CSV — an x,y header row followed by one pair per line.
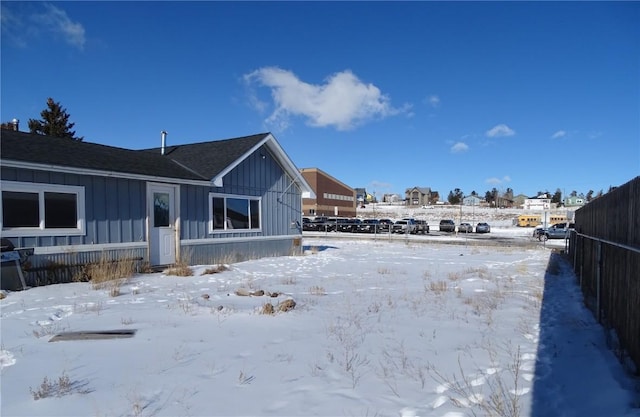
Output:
x,y
214,270
438,287
267,309
108,273
180,269
316,290
454,276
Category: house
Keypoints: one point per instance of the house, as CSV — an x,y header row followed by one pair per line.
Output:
x,y
391,198
518,201
539,203
332,197
471,200
199,203
361,196
421,196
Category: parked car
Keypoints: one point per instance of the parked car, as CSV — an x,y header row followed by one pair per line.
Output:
x,y
386,225
483,227
556,231
447,226
404,226
318,224
422,226
465,228
305,223
369,226
348,225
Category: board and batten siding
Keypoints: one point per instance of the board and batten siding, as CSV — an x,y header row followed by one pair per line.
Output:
x,y
281,207
115,208
255,177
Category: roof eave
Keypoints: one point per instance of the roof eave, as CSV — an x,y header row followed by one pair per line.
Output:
x,y
280,155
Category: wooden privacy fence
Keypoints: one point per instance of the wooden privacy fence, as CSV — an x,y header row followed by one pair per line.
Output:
x,y
605,252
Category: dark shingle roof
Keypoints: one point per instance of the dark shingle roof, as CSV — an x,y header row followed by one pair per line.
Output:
x,y
198,161
210,158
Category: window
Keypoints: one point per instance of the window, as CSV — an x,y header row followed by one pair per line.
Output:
x,y
233,213
30,209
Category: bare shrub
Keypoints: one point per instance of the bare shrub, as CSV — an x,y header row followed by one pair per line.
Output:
x,y
503,396
349,335
63,385
317,290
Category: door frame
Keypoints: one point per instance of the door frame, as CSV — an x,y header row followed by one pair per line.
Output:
x,y
175,223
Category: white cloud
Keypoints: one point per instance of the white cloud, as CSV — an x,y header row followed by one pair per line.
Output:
x,y
56,21
500,131
559,134
459,147
343,101
497,181
433,100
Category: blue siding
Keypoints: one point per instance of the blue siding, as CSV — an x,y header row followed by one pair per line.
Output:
x,y
238,251
115,208
281,201
115,213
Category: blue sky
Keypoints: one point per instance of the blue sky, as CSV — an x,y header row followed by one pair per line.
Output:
x,y
531,96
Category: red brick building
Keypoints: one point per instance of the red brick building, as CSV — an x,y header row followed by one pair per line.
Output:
x,y
333,198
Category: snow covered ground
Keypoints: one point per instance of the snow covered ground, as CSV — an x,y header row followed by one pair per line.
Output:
x,y
381,327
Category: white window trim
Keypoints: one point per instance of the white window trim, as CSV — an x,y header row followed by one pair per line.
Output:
x,y
40,189
225,196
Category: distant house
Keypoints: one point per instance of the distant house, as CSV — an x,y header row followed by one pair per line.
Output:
x,y
541,202
331,196
200,203
421,196
391,198
471,200
361,195
518,201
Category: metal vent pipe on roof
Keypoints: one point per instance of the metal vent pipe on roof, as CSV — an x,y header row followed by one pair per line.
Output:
x,y
16,124
164,141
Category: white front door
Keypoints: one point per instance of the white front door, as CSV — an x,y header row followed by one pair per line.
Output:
x,y
162,224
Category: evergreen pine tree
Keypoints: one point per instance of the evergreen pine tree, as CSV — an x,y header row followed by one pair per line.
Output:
x,y
55,122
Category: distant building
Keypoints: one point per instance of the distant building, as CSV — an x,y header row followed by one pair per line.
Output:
x,y
471,200
361,195
541,202
391,198
518,201
421,196
333,198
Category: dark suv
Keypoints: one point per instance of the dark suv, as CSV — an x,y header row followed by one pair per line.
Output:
x,y
447,226
369,226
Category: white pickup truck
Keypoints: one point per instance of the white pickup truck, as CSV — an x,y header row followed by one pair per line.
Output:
x,y
404,226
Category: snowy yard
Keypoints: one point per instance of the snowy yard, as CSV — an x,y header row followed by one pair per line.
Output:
x,y
379,328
